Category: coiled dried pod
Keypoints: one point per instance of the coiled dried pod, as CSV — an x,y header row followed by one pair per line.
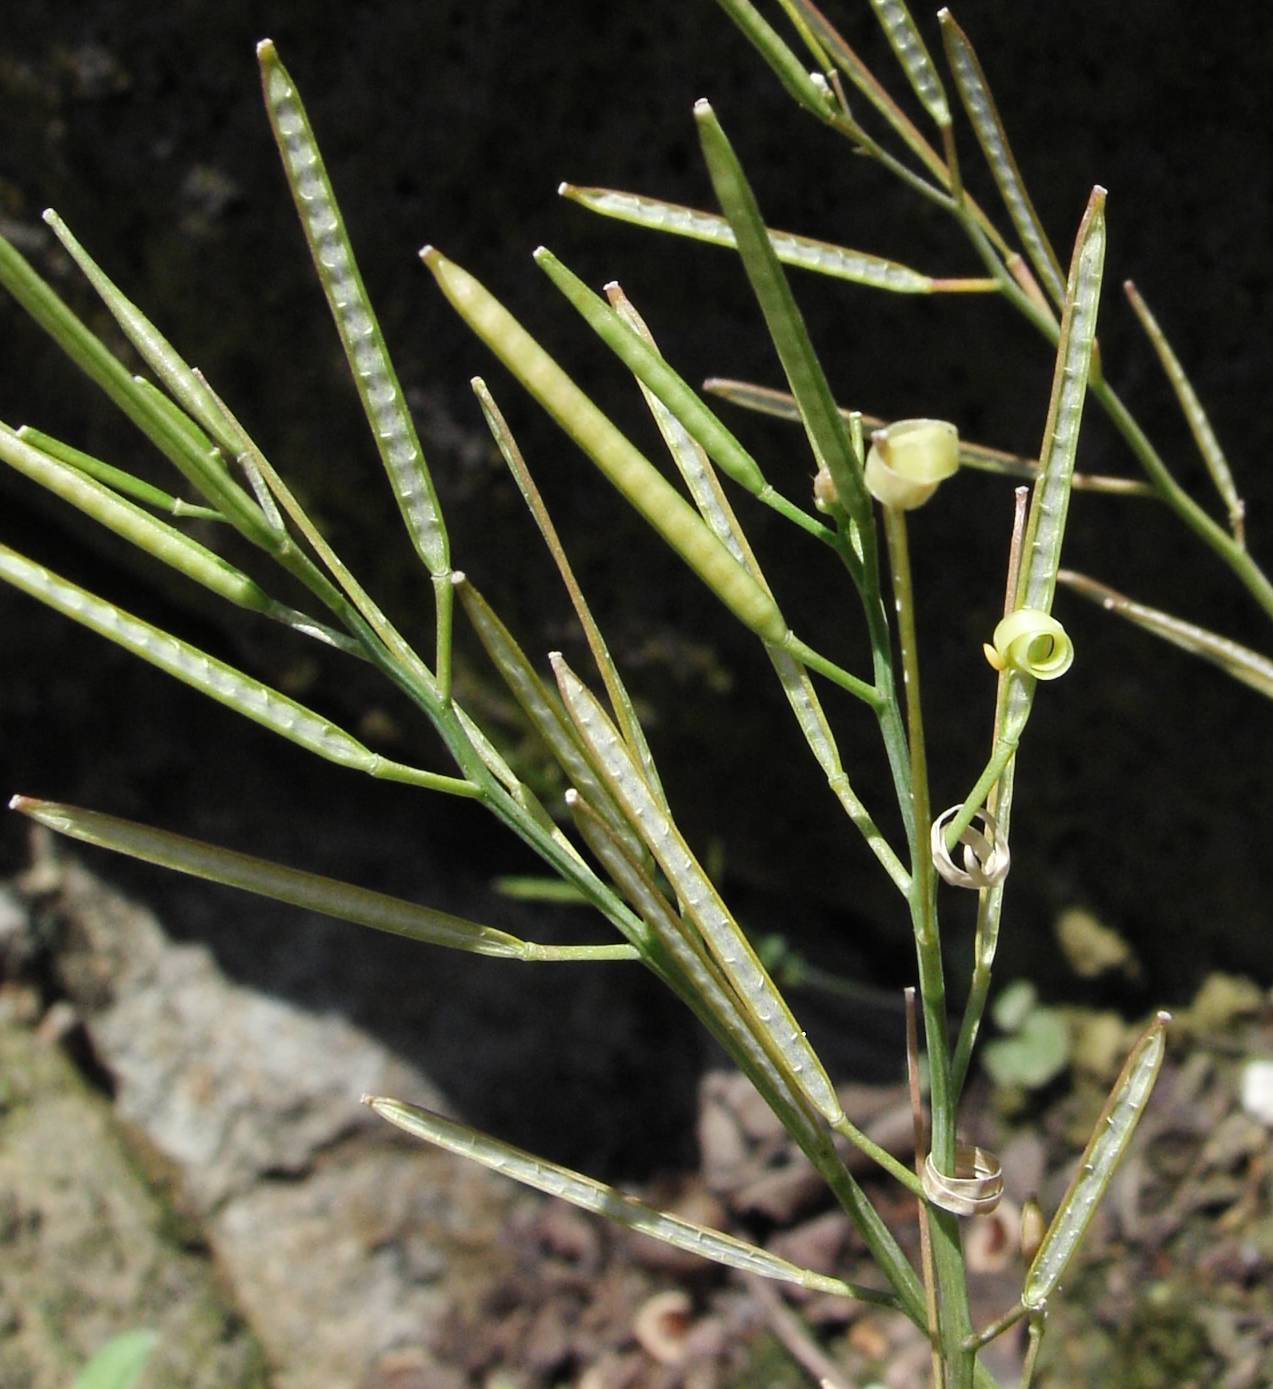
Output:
x,y
976,1187
986,857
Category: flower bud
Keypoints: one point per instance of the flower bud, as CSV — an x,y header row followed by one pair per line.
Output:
x,y
1034,1226
824,494
1032,643
907,460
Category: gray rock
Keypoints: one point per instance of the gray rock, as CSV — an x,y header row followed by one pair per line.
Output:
x,y
342,1242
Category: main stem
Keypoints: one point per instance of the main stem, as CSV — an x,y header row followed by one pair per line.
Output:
x,y
954,1313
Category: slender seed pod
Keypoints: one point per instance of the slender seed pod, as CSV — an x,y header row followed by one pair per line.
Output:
x,y
369,362
909,459
312,891
147,532
1110,1137
592,1195
1031,643
701,902
640,482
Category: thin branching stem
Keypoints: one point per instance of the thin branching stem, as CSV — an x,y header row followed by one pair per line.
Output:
x,y
997,1327
1206,528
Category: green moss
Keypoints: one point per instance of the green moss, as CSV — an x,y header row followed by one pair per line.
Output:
x,y
1161,1346
770,1364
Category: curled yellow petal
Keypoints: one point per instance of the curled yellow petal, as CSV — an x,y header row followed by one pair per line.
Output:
x,y
907,461
1032,643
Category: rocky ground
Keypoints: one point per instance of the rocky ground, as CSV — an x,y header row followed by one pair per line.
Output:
x,y
183,1152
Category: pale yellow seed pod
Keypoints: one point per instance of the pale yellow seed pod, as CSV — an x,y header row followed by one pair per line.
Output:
x,y
908,460
1032,643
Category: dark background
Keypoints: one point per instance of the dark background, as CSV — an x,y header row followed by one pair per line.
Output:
x,y
1144,780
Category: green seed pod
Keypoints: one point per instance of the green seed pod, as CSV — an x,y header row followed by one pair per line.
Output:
x,y
908,460
1032,643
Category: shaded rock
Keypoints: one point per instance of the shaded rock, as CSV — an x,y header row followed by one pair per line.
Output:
x,y
342,1242
87,1250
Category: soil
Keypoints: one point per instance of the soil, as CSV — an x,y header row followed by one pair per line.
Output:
x,y
183,1153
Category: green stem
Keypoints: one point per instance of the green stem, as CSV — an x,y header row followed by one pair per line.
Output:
x,y
1209,531
807,656
955,1316
847,1129
444,607
786,508
923,892
1005,750
997,1327
1032,1351
869,146
387,770
879,1239
985,940
534,953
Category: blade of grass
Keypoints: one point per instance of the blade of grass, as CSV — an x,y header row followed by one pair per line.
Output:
x,y
616,691
605,1200
1195,416
979,103
801,252
311,891
120,1363
531,887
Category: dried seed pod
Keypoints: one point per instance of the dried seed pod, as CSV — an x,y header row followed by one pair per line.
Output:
x,y
908,459
974,1189
1031,643
986,856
